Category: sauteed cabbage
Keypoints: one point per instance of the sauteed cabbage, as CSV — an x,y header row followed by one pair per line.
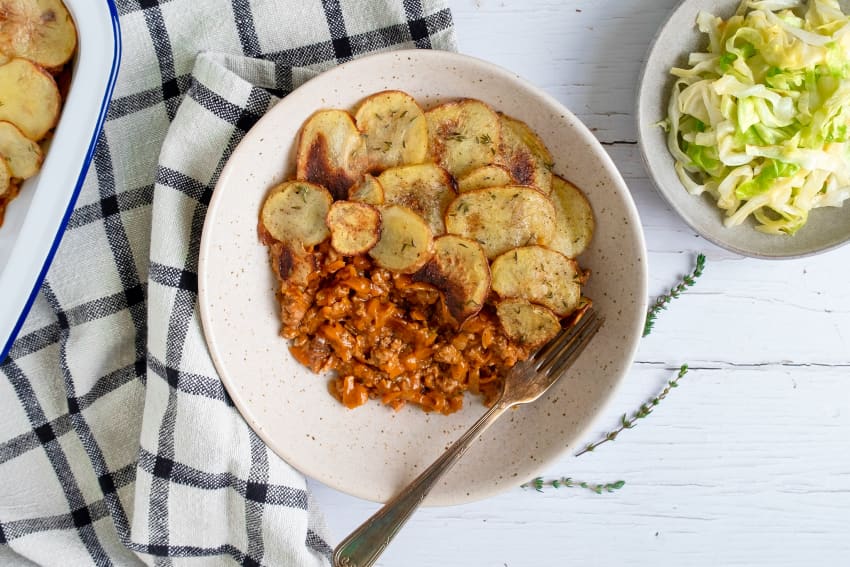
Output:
x,y
760,120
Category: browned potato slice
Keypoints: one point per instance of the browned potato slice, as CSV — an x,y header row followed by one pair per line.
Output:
x,y
5,177
406,242
525,155
463,135
502,218
30,98
295,211
460,270
39,30
328,151
426,189
368,190
485,176
394,130
540,275
24,156
574,219
526,323
354,227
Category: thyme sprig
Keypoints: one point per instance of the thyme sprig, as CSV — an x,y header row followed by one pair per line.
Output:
x,y
663,300
539,484
642,412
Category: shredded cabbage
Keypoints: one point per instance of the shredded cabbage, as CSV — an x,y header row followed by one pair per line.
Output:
x,y
760,121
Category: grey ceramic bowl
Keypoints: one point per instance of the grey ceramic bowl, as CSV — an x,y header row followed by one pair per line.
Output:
x,y
827,228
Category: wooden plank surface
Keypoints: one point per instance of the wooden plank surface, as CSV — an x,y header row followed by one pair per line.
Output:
x,y
748,462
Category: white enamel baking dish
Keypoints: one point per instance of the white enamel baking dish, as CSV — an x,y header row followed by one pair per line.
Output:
x,y
36,219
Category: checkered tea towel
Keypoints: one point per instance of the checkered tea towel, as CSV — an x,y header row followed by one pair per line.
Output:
x,y
118,443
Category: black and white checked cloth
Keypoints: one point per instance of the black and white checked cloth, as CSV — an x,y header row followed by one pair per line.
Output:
x,y
118,443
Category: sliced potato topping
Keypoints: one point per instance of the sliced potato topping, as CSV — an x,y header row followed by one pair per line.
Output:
x,y
525,155
394,130
527,323
460,270
463,135
24,156
5,177
328,151
502,218
406,242
485,176
573,217
426,189
39,30
368,190
354,227
29,96
295,211
540,275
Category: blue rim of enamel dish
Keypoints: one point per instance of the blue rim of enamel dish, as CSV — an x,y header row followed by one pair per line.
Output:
x,y
98,127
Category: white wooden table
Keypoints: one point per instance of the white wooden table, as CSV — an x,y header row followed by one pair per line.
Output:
x,y
748,462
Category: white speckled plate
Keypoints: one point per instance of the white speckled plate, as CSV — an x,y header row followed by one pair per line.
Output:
x,y
827,228
372,452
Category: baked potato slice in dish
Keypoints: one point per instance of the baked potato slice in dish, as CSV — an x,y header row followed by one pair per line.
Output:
x,y
463,135
573,218
525,155
295,212
5,178
394,130
368,190
329,152
30,98
483,177
426,189
540,275
39,30
354,227
502,218
24,156
460,270
526,323
405,243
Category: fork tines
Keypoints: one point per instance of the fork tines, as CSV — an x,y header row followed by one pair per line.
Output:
x,y
562,351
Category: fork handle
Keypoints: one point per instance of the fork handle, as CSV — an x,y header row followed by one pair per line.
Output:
x,y
365,544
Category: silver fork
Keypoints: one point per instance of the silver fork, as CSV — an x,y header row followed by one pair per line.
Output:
x,y
526,382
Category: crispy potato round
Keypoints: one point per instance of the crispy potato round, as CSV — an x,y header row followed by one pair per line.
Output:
x,y
328,150
483,177
502,218
573,218
22,154
406,242
368,190
463,135
540,275
30,98
354,227
39,30
295,211
526,323
394,130
525,155
460,270
426,189
5,177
